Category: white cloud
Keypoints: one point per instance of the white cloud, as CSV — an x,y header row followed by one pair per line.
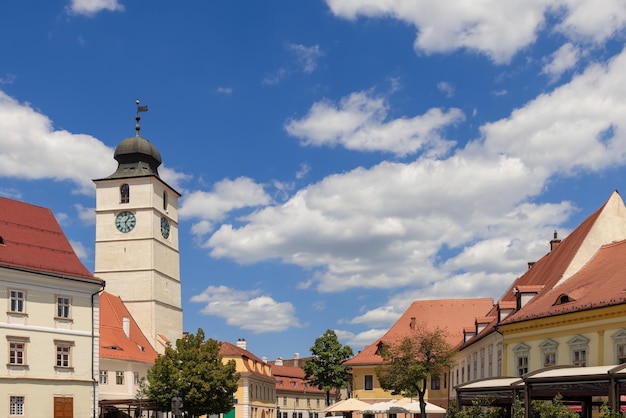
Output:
x,y
224,90
29,139
563,59
92,7
86,215
383,315
59,155
365,338
446,88
227,195
81,251
247,310
359,123
453,224
307,56
498,29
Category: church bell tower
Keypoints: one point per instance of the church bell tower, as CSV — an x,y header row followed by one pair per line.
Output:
x,y
137,239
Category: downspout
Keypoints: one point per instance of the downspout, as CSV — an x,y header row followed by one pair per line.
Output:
x,y
94,381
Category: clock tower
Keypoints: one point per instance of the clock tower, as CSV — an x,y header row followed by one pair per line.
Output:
x,y
137,240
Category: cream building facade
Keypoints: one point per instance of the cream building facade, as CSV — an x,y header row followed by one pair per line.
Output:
x,y
49,325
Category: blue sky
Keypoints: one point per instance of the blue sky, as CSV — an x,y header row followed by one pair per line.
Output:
x,y
338,159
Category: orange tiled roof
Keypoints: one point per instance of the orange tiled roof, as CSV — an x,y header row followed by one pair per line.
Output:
x,y
251,362
602,282
453,315
114,344
291,379
31,239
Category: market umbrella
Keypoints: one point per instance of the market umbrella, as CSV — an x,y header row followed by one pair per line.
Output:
x,y
415,408
347,405
385,407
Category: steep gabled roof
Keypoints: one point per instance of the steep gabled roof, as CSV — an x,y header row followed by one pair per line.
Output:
x,y
451,315
114,343
602,282
31,239
606,224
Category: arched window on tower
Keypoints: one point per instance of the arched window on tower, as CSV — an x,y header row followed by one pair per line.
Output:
x,y
124,193
164,200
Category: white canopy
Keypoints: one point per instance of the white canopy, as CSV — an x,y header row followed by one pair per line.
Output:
x,y
382,408
415,408
347,405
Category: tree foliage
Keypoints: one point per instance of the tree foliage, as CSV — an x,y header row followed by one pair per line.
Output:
x,y
326,370
551,409
194,371
408,364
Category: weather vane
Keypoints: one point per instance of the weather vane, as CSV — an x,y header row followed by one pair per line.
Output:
x,y
137,118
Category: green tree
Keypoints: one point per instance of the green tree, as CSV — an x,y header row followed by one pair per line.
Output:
x,y
408,364
194,371
551,409
326,370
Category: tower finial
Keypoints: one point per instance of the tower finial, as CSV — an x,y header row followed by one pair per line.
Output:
x,y
137,118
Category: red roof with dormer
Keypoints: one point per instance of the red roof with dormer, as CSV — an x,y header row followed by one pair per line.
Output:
x,y
114,342
451,315
31,239
251,362
600,283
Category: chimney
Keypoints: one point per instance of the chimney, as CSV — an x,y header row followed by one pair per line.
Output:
x,y
554,242
241,343
412,323
126,326
531,264
279,361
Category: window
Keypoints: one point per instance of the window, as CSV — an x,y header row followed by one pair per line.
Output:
x,y
578,350
369,382
124,193
297,401
284,401
499,360
63,355
490,361
619,342
482,363
136,378
17,301
164,200
475,362
579,357
17,353
521,352
16,405
104,377
63,307
435,383
119,377
548,352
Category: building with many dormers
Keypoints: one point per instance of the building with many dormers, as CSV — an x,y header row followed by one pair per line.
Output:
x,y
49,325
561,325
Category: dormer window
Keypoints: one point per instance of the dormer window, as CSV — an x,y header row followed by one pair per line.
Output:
x,y
563,299
124,193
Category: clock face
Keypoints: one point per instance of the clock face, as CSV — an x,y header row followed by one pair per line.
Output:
x,y
125,221
165,227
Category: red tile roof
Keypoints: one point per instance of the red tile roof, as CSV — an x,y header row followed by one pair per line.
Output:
x,y
251,362
31,239
452,315
114,344
602,282
549,270
291,379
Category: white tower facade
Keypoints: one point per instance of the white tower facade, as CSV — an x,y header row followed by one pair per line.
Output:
x,y
137,241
